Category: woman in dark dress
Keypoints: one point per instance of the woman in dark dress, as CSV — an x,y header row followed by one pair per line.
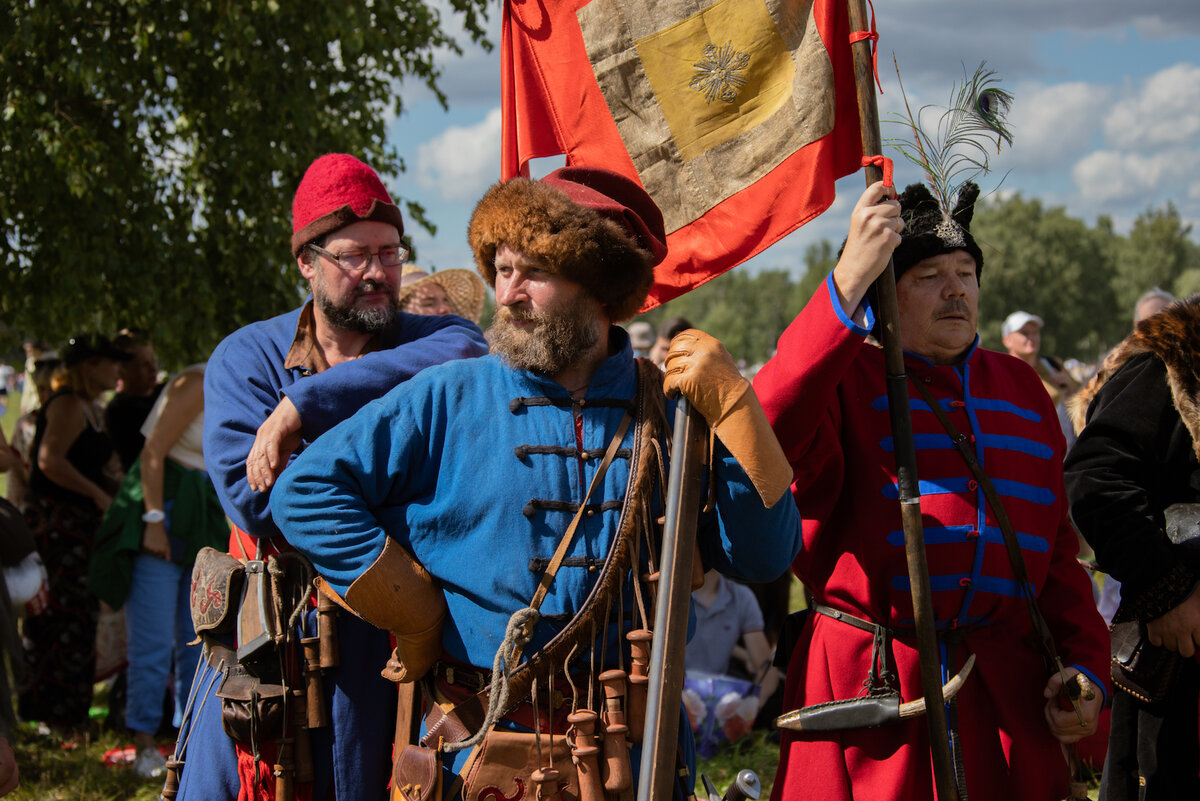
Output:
x,y
69,489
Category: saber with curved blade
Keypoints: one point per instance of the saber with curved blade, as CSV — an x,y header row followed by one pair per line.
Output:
x,y
868,711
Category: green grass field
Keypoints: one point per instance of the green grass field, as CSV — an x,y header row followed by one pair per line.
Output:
x,y
49,773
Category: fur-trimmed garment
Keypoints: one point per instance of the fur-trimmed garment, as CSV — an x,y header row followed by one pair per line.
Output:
x,y
1173,336
1136,455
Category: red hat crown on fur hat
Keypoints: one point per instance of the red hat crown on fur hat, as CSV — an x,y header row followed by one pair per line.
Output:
x,y
337,189
593,226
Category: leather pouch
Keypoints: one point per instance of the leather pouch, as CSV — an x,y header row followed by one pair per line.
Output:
x,y
1139,667
252,711
506,761
216,591
416,774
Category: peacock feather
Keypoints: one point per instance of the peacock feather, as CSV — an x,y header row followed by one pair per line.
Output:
x,y
956,149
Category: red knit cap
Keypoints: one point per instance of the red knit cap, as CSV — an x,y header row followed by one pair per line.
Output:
x,y
337,190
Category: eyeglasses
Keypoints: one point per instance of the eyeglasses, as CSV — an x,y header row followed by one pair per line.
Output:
x,y
358,260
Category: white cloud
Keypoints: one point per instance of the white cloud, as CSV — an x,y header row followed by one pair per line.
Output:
x,y
1165,112
461,161
1053,123
1136,179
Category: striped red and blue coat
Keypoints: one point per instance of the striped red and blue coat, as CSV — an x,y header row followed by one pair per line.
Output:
x,y
825,395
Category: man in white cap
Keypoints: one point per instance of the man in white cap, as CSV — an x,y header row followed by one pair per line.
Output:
x,y
1022,337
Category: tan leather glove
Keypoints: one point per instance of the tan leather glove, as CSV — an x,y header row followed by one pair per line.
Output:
x,y
397,594
699,367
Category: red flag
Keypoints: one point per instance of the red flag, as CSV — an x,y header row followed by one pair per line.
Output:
x,y
736,118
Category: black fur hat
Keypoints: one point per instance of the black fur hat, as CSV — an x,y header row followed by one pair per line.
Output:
x,y
930,232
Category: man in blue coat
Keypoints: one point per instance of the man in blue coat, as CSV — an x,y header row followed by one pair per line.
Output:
x,y
271,388
512,484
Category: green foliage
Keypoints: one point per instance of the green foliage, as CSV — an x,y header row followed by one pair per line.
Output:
x,y
1051,265
1158,253
149,151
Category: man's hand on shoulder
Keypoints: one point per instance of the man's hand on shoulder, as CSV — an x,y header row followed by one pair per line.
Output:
x,y
277,438
1179,629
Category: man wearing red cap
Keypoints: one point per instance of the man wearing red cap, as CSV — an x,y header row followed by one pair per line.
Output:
x,y
527,484
270,389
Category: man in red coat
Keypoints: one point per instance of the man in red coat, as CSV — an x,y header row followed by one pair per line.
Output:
x,y
825,396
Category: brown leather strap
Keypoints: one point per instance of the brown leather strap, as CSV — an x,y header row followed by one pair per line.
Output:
x,y
1010,538
452,726
846,617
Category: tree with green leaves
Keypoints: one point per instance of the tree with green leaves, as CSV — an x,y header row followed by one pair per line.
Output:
x,y
1157,253
149,151
1047,263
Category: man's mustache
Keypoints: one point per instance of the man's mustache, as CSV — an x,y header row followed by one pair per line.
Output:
x,y
371,285
520,315
955,306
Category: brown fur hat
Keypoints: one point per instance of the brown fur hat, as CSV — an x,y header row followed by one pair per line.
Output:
x,y
1171,335
590,225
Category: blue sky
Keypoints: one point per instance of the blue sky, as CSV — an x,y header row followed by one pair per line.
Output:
x,y
1106,118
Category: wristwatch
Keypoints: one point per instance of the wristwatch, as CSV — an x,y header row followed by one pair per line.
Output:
x,y
154,516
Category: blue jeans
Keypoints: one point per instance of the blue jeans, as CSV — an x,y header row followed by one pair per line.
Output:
x,y
159,625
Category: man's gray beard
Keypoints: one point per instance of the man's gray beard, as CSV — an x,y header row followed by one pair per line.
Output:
x,y
349,318
560,338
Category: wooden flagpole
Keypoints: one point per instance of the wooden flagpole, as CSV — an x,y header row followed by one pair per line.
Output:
x,y
888,313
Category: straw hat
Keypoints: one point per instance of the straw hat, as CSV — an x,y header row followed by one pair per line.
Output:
x,y
463,287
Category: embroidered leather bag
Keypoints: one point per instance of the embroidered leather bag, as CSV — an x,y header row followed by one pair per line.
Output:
x,y
506,760
216,591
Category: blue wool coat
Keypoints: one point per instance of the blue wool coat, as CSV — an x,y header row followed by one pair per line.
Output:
x,y
243,383
439,465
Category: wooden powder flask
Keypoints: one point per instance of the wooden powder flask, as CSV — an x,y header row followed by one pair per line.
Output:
x,y
314,693
618,774
639,681
303,745
545,782
171,784
327,632
586,755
